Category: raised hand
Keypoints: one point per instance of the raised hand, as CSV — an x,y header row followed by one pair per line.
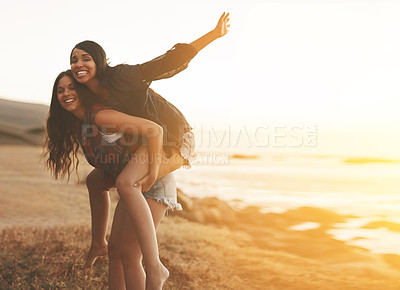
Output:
x,y
220,30
222,27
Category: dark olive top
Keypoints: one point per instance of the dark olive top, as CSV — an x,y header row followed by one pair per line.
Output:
x,y
129,91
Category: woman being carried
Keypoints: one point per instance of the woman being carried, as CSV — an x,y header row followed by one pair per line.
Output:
x,y
126,89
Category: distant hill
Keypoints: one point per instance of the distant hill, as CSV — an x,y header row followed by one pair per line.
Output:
x,y
22,123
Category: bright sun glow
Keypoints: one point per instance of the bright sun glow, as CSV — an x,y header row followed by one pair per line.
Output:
x,y
330,64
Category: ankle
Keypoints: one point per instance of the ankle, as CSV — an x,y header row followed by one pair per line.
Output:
x,y
98,245
155,269
155,280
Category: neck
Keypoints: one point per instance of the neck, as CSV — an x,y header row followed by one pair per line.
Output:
x,y
93,85
79,113
95,88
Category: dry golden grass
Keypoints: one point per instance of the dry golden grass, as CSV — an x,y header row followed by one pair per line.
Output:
x,y
198,256
48,259
45,236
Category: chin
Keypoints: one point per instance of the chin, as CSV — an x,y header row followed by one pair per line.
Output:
x,y
81,81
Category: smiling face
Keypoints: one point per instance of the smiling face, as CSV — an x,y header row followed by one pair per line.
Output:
x,y
68,97
83,67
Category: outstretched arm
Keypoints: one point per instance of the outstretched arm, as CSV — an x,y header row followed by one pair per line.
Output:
x,y
220,30
178,58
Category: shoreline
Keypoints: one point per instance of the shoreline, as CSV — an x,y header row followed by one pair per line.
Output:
x,y
45,236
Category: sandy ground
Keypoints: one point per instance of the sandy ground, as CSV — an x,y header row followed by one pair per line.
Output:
x,y
29,195
209,241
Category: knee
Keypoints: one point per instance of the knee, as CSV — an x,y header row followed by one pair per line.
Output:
x,y
94,180
122,183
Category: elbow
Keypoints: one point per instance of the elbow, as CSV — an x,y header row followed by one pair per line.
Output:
x,y
155,131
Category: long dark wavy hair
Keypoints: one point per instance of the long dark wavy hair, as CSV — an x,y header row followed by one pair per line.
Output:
x,y
63,131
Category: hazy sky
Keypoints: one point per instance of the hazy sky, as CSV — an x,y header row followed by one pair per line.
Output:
x,y
334,64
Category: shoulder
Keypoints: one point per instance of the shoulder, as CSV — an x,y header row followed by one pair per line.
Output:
x,y
123,70
98,107
92,111
124,77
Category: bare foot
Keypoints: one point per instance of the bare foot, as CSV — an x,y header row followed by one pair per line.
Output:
x,y
156,279
93,254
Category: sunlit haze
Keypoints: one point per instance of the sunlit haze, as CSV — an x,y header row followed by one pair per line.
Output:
x,y
329,65
295,180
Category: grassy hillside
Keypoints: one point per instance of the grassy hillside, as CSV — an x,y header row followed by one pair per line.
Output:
x,y
45,235
198,257
21,123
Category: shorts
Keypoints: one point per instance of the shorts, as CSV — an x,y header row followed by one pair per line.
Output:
x,y
164,191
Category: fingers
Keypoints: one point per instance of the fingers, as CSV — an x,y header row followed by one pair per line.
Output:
x,y
146,186
225,18
144,183
222,17
140,182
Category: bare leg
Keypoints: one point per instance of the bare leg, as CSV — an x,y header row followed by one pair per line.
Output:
x,y
141,218
131,255
124,248
116,279
100,209
169,165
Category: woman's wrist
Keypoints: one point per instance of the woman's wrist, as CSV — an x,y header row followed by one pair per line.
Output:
x,y
153,169
214,34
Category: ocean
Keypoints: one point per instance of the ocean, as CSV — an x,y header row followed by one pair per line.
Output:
x,y
366,189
